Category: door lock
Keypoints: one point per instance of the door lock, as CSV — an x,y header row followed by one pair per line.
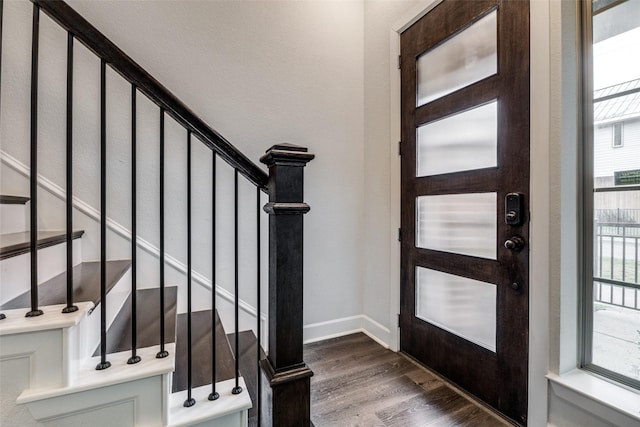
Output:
x,y
516,243
513,208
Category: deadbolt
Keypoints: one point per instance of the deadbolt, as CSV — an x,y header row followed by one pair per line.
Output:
x,y
516,243
514,209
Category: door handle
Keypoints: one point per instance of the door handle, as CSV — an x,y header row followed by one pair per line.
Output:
x,y
516,243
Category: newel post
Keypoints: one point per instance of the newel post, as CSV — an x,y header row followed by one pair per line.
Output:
x,y
287,389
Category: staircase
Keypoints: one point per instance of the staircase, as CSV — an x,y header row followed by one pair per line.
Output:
x,y
105,324
55,379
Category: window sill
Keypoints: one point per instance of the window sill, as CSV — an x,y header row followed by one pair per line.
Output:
x,y
607,400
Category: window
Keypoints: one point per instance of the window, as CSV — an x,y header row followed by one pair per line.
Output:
x,y
611,210
617,135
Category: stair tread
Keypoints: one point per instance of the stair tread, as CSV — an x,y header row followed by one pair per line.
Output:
x,y
6,199
201,351
14,244
87,377
147,322
248,366
86,285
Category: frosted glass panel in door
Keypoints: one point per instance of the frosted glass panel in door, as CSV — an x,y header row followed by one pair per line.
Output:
x,y
460,142
467,57
459,305
460,223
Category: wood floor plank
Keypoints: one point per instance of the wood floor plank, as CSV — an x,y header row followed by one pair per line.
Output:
x,y
365,378
424,409
378,395
357,382
424,379
336,348
468,416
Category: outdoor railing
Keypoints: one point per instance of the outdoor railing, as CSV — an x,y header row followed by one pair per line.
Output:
x,y
616,267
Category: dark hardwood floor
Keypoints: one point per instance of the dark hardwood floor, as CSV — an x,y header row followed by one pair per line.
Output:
x,y
357,382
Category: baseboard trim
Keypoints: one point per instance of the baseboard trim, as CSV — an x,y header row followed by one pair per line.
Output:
x,y
321,331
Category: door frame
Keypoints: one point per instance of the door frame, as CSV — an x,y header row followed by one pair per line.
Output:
x,y
540,102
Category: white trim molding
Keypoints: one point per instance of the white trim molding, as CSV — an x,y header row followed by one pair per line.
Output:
x,y
601,398
321,331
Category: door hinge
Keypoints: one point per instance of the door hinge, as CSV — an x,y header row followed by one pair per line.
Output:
x,y
398,320
399,234
399,148
399,62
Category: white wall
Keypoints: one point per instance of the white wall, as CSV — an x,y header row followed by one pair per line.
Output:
x,y
381,249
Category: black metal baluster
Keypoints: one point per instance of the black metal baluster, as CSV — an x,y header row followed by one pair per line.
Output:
x,y
104,364
70,308
33,244
162,353
134,234
636,264
237,389
611,286
214,394
258,308
612,266
636,275
600,239
190,400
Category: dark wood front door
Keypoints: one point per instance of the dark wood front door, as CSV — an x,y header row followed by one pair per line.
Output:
x,y
465,184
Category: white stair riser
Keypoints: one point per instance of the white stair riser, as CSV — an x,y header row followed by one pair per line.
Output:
x,y
134,403
46,343
13,218
15,272
40,353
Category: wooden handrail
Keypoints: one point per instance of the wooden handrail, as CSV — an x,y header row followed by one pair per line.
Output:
x,y
120,62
